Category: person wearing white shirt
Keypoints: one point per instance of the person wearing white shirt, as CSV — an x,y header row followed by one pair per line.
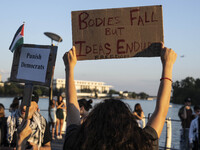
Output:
x,y
194,129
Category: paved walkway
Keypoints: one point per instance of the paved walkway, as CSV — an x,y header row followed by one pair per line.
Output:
x,y
57,144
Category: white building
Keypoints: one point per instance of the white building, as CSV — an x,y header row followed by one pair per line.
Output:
x,y
1,83
58,83
80,85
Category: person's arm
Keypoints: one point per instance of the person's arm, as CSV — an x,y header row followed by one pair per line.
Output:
x,y
184,115
73,110
138,116
60,106
47,146
56,105
157,120
23,133
64,106
191,133
141,116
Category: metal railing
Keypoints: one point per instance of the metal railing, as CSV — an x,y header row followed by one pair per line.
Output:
x,y
168,137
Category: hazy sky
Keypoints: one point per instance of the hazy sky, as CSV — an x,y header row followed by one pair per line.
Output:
x,y
181,33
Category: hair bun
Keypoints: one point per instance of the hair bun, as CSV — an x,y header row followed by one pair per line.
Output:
x,y
90,101
85,103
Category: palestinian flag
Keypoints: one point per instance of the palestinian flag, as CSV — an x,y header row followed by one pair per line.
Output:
x,y
18,39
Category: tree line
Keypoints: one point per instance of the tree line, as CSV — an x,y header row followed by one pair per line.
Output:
x,y
186,88
13,89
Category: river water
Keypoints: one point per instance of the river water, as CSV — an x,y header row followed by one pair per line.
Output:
x,y
147,106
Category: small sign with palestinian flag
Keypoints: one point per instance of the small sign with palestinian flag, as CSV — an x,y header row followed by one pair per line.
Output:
x,y
18,39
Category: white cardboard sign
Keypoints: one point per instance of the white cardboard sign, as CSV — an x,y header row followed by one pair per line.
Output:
x,y
33,64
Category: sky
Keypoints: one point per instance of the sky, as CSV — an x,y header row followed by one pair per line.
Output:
x,y
181,23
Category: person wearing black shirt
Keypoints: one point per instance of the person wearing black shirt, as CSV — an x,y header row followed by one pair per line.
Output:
x,y
186,115
111,125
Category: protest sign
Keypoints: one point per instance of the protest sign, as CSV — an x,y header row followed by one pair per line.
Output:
x,y
117,33
34,64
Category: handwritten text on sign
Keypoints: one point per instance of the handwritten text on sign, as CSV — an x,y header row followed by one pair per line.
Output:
x,y
33,64
116,33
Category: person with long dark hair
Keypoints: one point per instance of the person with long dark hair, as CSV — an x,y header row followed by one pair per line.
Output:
x,y
15,104
60,105
111,125
139,114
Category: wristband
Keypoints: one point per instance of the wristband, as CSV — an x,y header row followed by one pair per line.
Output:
x,y
166,79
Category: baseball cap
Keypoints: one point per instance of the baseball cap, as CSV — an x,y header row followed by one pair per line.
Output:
x,y
35,97
188,100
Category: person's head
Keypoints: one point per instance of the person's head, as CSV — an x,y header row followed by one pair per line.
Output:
x,y
16,100
85,105
138,108
1,105
52,103
59,98
197,110
2,110
187,102
110,125
15,103
33,106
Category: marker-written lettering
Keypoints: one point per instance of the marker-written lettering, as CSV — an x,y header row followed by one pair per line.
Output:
x,y
142,19
33,56
85,21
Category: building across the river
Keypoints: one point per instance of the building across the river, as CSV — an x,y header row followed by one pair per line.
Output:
x,y
84,86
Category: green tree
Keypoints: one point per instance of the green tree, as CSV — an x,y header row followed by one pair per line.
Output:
x,y
197,83
2,91
12,89
38,91
188,87
41,90
133,95
176,85
143,95
188,82
112,91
